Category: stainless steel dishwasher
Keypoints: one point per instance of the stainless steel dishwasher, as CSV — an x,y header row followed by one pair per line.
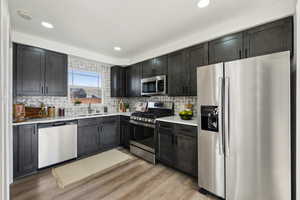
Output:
x,y
57,143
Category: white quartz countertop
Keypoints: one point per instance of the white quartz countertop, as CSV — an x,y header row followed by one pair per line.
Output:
x,y
176,119
68,118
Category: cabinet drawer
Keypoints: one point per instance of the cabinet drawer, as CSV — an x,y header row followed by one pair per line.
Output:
x,y
113,119
88,122
186,130
165,125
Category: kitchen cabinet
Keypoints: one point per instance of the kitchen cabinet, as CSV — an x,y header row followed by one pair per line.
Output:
x,y
186,149
227,48
181,65
269,38
39,72
178,74
118,81
25,150
133,76
30,62
177,147
109,133
88,141
155,67
97,134
166,145
196,56
56,74
125,131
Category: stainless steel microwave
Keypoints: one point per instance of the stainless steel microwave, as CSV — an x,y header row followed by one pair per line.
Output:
x,y
156,85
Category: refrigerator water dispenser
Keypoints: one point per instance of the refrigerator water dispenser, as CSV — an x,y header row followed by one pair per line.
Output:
x,y
209,118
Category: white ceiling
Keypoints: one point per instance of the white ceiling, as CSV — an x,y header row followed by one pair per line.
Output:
x,y
138,26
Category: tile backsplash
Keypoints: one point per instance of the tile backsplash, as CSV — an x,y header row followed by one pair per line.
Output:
x,y
108,101
179,102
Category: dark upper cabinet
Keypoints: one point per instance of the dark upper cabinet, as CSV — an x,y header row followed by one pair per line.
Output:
x,y
118,81
25,150
133,76
56,74
109,133
227,48
269,38
155,67
30,62
39,72
178,74
196,56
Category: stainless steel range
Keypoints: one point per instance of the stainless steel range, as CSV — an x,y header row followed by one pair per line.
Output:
x,y
142,134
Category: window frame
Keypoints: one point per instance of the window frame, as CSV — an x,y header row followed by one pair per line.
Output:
x,y
100,84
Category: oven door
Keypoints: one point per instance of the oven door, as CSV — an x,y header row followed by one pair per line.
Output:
x,y
142,137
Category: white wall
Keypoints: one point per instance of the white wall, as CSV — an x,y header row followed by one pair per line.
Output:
x,y
5,98
67,49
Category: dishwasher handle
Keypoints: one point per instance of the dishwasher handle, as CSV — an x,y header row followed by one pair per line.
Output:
x,y
59,124
55,124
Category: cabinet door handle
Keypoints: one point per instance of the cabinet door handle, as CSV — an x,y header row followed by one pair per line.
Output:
x,y
42,87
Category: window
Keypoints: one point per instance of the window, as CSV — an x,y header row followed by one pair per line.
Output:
x,y
85,87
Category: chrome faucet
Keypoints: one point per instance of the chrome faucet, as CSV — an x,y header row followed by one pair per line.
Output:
x,y
90,110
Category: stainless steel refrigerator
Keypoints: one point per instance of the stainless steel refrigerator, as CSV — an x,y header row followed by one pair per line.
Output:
x,y
244,147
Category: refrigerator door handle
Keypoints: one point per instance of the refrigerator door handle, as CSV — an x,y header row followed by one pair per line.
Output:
x,y
227,117
220,114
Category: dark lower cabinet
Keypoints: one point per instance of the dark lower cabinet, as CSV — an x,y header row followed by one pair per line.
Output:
x,y
166,145
177,147
88,139
109,133
25,150
227,48
125,131
186,152
97,134
269,38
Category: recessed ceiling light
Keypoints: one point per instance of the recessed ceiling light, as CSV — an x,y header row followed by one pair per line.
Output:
x,y
117,48
47,25
203,3
24,14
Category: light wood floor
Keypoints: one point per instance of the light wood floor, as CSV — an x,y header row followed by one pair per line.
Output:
x,y
136,180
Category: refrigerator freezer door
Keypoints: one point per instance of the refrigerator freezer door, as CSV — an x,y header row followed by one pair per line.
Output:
x,y
211,173
258,122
